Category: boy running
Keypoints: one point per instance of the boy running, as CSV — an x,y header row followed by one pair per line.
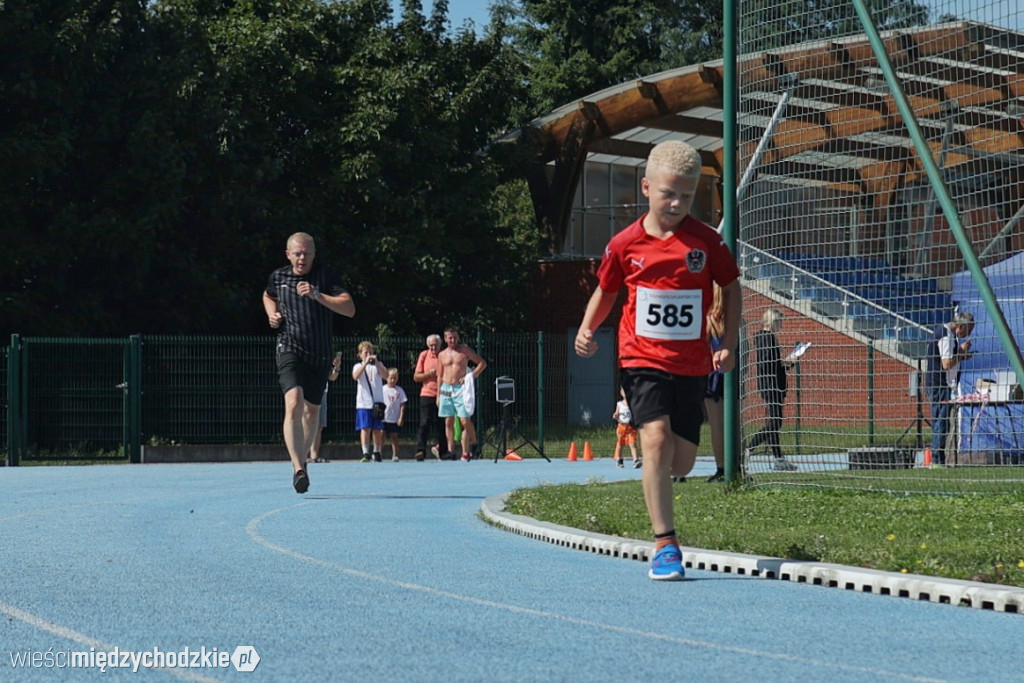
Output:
x,y
667,260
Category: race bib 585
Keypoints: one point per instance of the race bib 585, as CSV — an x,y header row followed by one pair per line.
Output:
x,y
669,313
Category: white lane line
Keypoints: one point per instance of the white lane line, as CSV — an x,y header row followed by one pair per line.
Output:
x,y
252,529
82,639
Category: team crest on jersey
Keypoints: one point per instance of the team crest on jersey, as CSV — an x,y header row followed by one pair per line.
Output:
x,y
696,260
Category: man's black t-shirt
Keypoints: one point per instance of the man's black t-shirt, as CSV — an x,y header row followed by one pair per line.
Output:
x,y
306,328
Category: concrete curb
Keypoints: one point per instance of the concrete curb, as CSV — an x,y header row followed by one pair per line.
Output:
x,y
915,586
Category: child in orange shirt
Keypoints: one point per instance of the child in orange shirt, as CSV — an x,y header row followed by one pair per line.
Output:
x,y
625,432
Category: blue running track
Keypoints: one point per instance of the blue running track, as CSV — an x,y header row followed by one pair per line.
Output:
x,y
387,572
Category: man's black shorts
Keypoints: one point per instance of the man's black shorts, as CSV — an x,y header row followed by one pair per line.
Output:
x,y
293,371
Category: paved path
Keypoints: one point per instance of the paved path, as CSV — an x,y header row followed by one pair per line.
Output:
x,y
386,571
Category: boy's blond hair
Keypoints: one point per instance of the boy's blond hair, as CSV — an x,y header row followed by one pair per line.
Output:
x,y
675,156
363,345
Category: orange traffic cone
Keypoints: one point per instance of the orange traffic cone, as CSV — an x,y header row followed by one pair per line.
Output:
x,y
572,453
587,453
927,462
512,455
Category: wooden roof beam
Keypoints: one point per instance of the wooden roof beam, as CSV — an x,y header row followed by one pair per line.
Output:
x,y
710,75
553,199
640,150
591,111
679,123
828,174
649,91
864,150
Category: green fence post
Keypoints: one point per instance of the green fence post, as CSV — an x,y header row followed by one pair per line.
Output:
x,y
126,405
14,406
133,377
730,216
920,403
871,393
799,402
24,373
479,394
540,391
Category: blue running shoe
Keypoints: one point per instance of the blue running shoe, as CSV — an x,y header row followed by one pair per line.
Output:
x,y
667,564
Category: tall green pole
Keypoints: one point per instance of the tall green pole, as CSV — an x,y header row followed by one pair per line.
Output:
x,y
479,394
730,222
15,428
924,153
133,442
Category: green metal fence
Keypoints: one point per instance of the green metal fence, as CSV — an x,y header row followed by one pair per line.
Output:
x,y
4,388
90,398
65,395
101,398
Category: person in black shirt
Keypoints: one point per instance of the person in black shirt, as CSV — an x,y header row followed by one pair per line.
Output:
x,y
300,299
772,385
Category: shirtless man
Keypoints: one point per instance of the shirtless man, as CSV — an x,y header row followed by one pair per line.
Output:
x,y
454,363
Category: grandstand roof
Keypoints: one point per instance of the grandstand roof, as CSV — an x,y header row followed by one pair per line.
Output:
x,y
841,128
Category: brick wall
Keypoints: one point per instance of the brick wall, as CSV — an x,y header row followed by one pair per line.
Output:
x,y
832,379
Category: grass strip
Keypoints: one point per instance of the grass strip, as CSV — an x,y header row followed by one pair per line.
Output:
x,y
971,537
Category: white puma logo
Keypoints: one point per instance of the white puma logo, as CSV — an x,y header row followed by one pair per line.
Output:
x,y
635,262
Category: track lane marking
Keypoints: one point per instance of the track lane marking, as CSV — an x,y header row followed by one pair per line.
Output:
x,y
252,530
82,639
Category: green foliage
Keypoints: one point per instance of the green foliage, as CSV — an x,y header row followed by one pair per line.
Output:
x,y
157,155
575,48
771,24
73,89
154,156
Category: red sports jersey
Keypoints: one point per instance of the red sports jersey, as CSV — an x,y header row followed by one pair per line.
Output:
x,y
668,283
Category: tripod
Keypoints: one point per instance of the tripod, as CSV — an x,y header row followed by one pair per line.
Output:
x,y
500,432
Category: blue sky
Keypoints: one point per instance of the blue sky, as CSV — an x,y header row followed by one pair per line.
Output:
x,y
458,11
1003,13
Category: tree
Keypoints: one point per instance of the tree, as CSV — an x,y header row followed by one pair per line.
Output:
x,y
369,135
772,24
574,47
73,100
577,47
157,155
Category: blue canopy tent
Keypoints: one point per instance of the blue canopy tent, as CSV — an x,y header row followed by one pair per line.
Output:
x,y
997,430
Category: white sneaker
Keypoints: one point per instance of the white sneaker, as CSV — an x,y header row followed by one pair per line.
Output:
x,y
783,465
394,458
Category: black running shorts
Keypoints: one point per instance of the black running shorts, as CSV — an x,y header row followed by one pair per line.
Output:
x,y
293,372
653,393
